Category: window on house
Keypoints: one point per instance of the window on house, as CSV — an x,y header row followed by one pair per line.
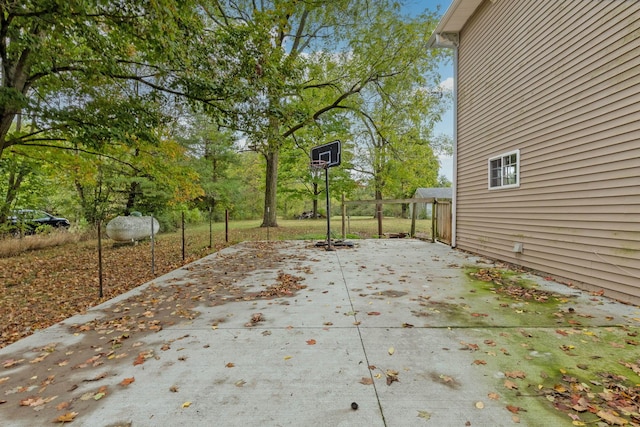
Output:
x,y
504,170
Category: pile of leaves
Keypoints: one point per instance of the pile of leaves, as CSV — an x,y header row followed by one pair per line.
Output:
x,y
511,286
617,404
286,285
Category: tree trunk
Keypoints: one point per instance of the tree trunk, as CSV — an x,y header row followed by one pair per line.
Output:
x,y
270,199
316,192
131,198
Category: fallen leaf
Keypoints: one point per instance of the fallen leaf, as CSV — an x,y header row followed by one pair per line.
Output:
x,y
366,381
611,418
374,313
424,414
125,382
510,385
173,389
98,396
479,405
494,396
391,350
515,374
287,357
62,405
186,404
479,362
229,365
66,418
407,325
311,342
514,409
392,376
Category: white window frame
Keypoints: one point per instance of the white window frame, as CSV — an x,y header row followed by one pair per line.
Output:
x,y
504,164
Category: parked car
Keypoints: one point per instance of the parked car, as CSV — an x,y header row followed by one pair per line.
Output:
x,y
30,220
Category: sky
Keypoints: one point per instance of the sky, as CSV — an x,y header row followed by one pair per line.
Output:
x,y
446,72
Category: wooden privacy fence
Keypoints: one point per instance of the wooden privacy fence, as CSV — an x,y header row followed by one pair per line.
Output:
x,y
440,215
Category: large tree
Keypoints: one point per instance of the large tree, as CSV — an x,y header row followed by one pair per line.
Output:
x,y
283,64
63,71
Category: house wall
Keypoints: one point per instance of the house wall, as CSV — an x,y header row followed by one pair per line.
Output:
x,y
560,81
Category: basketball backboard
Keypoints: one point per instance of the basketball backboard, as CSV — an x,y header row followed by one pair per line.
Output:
x,y
329,153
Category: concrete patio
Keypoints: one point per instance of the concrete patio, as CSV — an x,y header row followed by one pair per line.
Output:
x,y
391,332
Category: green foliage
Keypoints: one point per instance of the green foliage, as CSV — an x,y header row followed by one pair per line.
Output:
x,y
102,88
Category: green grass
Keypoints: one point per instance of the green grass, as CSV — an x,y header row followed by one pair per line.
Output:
x,y
197,235
310,229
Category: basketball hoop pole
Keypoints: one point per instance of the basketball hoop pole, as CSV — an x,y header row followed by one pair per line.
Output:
x,y
326,189
324,157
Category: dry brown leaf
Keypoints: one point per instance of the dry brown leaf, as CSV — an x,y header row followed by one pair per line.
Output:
x,y
510,385
611,418
66,418
515,374
311,342
366,381
125,382
514,409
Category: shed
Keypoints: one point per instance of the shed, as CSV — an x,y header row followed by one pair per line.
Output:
x,y
424,209
547,137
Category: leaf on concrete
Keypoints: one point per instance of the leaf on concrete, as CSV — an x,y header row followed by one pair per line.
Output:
x,y
125,382
311,342
392,376
66,418
479,362
514,409
391,351
366,381
510,385
424,414
186,404
611,418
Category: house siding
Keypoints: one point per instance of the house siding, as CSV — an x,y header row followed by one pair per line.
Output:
x,y
559,81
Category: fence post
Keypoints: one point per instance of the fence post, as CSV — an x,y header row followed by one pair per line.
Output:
x,y
414,215
226,225
100,294
434,220
344,214
183,241
379,209
153,250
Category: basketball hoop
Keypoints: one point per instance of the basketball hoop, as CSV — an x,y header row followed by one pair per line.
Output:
x,y
317,166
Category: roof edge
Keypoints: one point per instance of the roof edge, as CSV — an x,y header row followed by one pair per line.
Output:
x,y
452,22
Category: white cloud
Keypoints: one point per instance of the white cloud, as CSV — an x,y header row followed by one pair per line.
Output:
x,y
447,85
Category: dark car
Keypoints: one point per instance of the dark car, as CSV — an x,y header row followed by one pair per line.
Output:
x,y
30,220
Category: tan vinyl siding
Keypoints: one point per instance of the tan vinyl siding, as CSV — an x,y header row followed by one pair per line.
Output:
x,y
559,81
